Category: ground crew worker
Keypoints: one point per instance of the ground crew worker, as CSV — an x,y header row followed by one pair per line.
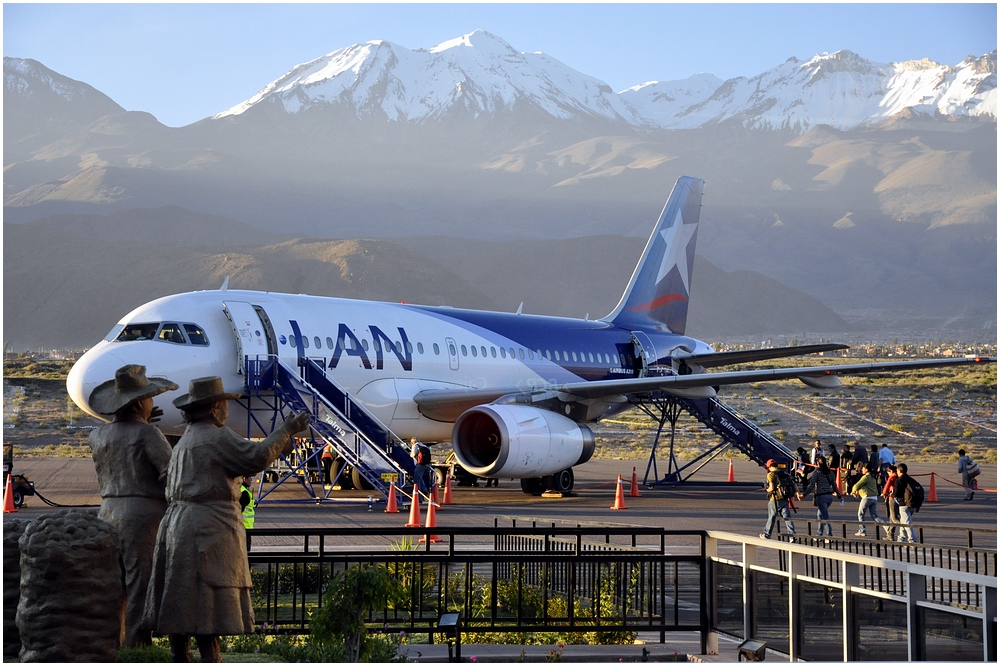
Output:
x,y
246,501
327,459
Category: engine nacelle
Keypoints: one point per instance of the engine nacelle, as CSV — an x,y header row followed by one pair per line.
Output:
x,y
519,441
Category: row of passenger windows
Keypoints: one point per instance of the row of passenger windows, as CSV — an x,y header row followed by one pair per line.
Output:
x,y
180,334
481,351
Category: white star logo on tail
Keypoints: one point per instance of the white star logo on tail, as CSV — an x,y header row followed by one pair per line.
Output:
x,y
677,236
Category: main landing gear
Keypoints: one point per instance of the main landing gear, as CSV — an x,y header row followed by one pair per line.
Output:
x,y
553,485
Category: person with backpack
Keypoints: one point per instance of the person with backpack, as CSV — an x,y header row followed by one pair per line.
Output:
x,y
822,485
969,469
909,495
421,454
780,490
867,490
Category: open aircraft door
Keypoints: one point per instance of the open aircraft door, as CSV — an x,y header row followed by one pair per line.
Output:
x,y
254,335
645,352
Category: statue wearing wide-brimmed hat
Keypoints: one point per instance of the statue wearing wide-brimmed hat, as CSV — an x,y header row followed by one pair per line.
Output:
x,y
129,385
131,458
201,581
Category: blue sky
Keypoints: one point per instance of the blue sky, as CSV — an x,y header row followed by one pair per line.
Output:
x,y
184,62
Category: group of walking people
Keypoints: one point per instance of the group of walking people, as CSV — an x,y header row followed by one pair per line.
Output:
x,y
178,511
870,476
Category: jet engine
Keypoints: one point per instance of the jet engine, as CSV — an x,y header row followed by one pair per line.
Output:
x,y
519,441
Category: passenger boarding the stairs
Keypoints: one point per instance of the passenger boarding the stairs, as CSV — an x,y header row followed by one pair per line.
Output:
x,y
822,485
421,454
780,491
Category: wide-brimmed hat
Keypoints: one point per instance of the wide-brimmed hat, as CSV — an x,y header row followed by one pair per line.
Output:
x,y
204,391
130,384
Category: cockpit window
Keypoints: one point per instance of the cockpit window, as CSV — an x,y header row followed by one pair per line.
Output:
x,y
114,332
195,334
167,332
171,333
138,332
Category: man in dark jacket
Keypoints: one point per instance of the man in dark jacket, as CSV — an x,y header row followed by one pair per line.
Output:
x,y
905,511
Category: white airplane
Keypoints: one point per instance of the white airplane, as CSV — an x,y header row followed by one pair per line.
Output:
x,y
512,392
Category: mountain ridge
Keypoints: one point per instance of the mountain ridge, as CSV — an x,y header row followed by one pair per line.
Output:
x,y
894,217
76,299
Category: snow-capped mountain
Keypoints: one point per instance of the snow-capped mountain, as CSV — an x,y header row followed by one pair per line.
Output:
x,y
840,89
478,74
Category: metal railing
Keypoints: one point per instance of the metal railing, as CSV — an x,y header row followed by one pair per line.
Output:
x,y
606,583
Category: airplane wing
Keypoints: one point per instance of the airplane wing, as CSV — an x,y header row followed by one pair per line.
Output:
x,y
748,356
448,404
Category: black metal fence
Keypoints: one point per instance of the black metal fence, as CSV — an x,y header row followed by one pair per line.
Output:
x,y
602,584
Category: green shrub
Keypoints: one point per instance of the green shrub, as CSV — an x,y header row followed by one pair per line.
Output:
x,y
340,621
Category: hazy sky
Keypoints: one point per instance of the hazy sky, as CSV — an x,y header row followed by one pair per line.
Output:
x,y
184,62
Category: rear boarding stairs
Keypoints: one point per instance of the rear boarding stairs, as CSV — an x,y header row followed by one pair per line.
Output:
x,y
734,429
360,442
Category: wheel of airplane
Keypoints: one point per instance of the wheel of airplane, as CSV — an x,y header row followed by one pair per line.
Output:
x,y
464,478
360,482
535,486
563,481
439,474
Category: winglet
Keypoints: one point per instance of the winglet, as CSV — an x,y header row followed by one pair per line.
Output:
x,y
225,284
657,295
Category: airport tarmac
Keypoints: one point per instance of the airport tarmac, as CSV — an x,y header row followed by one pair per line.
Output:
x,y
739,508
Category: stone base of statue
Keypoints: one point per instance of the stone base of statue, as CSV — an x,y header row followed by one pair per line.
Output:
x,y
12,531
72,593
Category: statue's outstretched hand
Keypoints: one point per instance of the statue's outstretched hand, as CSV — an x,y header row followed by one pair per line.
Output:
x,y
155,415
297,422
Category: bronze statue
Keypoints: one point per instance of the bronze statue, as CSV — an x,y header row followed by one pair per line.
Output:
x,y
201,582
131,458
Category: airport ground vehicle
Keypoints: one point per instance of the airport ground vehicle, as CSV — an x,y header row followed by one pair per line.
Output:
x,y
20,486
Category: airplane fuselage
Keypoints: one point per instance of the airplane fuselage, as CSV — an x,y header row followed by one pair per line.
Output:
x,y
383,354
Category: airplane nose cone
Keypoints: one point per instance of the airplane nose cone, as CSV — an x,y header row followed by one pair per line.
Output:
x,y
94,368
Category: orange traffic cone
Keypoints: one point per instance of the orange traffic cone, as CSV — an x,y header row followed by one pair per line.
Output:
x,y
447,490
8,498
414,509
732,476
634,491
619,496
390,503
840,482
931,493
434,494
431,522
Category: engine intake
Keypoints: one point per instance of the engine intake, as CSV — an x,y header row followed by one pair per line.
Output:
x,y
519,441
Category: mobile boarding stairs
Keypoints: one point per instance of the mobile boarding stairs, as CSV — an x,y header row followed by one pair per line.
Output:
x,y
375,456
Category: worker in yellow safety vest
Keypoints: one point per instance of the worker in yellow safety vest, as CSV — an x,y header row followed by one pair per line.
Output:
x,y
246,502
327,459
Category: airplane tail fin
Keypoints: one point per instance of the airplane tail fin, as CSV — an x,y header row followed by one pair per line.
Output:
x,y
658,293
